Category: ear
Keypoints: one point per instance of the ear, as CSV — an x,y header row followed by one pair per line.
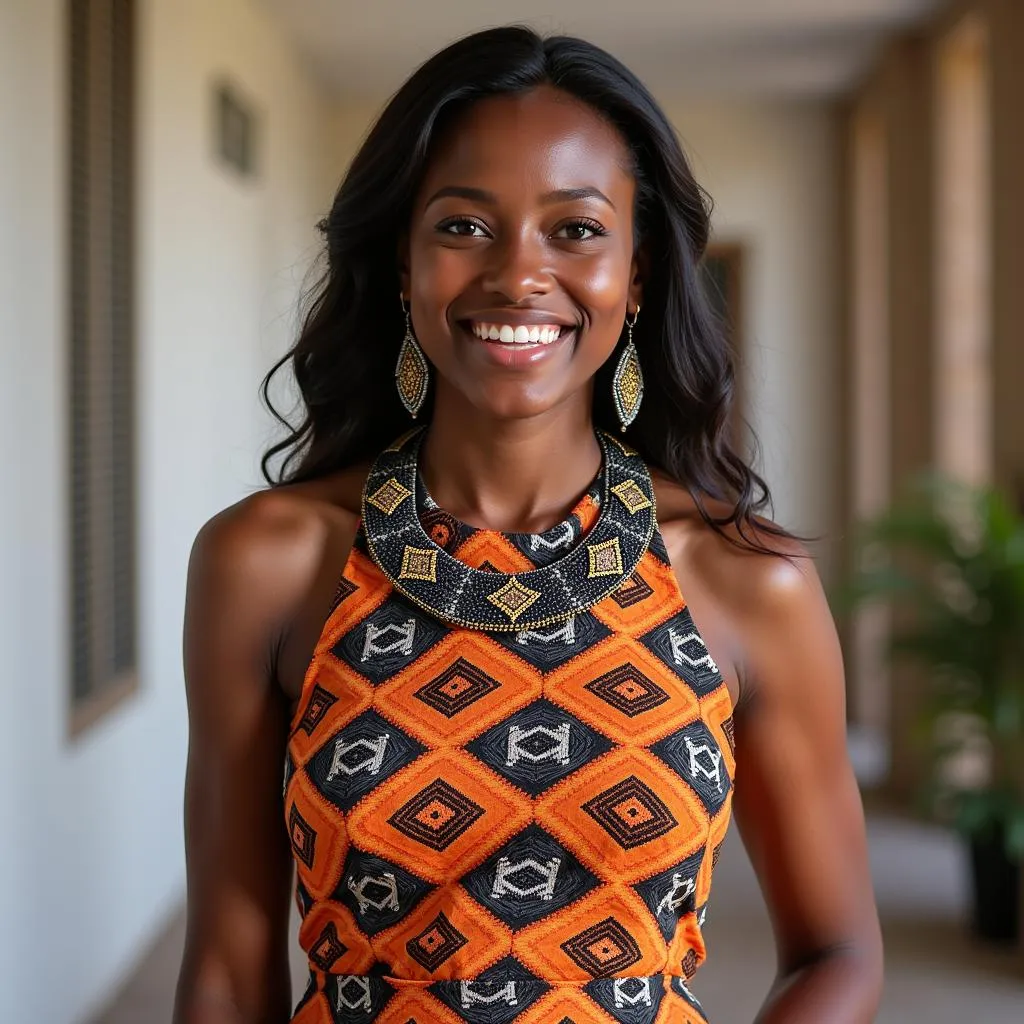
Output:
x,y
637,273
402,256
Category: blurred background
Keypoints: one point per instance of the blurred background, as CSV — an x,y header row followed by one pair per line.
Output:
x,y
162,166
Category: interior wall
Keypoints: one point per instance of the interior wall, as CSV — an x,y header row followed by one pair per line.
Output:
x,y
92,856
773,171
963,250
23,239
868,395
1006,29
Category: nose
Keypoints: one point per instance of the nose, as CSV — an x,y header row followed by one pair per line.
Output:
x,y
517,269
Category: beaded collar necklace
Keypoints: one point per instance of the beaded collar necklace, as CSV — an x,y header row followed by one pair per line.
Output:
x,y
454,592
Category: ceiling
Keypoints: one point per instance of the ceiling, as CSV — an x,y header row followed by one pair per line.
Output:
x,y
745,47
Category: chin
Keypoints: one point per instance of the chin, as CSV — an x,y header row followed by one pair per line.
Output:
x,y
515,406
514,411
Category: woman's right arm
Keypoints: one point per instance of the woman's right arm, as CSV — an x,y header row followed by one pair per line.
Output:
x,y
250,571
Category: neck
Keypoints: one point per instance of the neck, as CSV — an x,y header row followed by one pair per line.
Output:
x,y
510,475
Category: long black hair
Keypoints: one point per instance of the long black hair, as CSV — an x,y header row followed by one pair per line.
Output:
x,y
344,358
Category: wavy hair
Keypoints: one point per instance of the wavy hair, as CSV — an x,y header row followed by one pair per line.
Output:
x,y
343,361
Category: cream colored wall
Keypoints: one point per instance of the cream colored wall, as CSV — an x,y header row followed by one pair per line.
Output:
x,y
26,233
91,859
773,170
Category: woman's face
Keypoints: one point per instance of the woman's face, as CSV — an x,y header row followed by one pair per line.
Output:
x,y
520,266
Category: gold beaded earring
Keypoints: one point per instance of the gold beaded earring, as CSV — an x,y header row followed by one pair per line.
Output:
x,y
628,383
412,373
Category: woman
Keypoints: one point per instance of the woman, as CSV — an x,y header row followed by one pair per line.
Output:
x,y
510,752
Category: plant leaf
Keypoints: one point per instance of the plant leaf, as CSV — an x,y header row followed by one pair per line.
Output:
x,y
1015,836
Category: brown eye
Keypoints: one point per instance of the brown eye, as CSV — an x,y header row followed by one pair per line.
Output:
x,y
463,227
580,230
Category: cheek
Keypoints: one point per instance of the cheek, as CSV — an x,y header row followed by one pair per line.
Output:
x,y
607,283
440,274
603,287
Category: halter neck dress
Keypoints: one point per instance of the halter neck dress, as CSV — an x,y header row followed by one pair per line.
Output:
x,y
510,770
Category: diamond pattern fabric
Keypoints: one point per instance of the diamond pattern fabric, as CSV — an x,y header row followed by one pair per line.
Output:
x,y
511,825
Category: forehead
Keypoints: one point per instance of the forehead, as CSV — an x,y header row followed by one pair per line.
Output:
x,y
539,140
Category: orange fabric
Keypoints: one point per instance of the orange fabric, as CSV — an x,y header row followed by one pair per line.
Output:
x,y
527,821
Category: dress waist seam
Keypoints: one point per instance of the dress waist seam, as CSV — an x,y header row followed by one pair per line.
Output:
x,y
492,979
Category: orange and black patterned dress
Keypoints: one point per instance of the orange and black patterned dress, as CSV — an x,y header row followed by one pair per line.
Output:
x,y
510,769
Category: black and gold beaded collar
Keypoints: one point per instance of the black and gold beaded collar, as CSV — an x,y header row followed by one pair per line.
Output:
x,y
454,592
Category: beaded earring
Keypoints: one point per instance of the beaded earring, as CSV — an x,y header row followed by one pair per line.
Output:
x,y
628,383
412,372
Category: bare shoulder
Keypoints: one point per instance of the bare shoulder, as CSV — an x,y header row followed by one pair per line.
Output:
x,y
274,531
262,556
750,598
784,568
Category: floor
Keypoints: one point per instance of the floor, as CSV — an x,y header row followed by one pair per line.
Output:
x,y
934,973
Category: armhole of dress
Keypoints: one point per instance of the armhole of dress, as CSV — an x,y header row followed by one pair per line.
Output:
x,y
659,550
326,640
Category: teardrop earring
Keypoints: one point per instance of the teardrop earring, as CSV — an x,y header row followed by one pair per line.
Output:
x,y
628,383
412,372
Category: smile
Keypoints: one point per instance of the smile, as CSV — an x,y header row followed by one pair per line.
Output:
x,y
521,334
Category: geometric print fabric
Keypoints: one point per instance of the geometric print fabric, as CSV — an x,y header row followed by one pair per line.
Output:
x,y
530,877
539,745
507,827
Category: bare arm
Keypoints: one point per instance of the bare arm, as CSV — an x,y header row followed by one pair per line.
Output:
x,y
246,577
798,806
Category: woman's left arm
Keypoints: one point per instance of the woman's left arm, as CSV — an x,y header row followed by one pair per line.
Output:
x,y
798,806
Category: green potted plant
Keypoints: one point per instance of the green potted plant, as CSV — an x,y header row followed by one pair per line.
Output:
x,y
949,561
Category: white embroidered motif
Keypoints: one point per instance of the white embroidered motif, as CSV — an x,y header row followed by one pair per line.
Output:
x,y
389,901
703,916
566,632
406,635
363,1001
682,889
558,752
537,542
623,998
372,762
545,888
714,772
679,654
469,995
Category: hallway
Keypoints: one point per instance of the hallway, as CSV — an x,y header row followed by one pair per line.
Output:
x,y
165,164
934,973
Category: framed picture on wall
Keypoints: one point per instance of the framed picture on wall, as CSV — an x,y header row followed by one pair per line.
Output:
x,y
722,270
235,130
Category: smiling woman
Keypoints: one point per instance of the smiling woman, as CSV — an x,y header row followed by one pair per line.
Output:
x,y
511,746
566,256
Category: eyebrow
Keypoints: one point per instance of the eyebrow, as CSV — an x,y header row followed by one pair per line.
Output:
x,y
563,194
479,195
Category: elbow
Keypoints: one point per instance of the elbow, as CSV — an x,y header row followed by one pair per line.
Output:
x,y
836,984
867,959
194,1005
200,1000
201,1004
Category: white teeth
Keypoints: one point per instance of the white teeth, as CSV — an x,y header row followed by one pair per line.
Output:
x,y
519,335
